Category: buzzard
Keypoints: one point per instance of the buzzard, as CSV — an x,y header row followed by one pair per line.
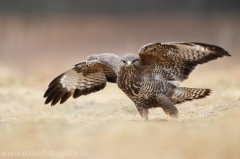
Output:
x,y
146,78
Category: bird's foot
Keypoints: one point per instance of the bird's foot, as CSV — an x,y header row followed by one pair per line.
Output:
x,y
169,119
145,119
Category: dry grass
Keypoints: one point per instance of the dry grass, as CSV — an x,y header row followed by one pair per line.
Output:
x,y
107,125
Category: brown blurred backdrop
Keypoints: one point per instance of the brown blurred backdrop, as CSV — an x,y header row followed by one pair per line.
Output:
x,y
40,36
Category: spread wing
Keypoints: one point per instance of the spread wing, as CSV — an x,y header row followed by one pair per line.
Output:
x,y
86,77
175,61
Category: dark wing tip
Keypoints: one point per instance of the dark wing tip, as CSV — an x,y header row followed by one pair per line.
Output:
x,y
55,80
215,49
57,94
52,94
65,97
219,51
55,91
57,98
49,90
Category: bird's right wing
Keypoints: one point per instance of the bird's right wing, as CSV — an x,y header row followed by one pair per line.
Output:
x,y
86,77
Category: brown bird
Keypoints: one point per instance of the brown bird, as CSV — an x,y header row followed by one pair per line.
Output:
x,y
146,78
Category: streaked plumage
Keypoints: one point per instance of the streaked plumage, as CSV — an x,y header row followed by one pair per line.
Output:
x,y
145,77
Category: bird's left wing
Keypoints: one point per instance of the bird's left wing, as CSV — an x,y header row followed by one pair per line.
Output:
x,y
175,61
86,77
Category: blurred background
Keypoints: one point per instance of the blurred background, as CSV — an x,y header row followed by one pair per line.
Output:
x,y
42,36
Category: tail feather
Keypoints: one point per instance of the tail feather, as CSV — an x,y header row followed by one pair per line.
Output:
x,y
182,94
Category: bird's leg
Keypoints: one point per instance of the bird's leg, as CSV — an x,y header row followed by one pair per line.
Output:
x,y
143,112
168,107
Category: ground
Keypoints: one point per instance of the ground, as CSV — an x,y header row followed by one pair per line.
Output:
x,y
106,124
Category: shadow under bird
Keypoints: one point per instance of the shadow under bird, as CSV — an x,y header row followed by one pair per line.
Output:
x,y
146,78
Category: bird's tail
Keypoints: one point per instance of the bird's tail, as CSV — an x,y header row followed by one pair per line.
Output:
x,y
182,94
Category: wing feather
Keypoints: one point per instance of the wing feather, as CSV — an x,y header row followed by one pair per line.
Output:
x,y
177,60
86,77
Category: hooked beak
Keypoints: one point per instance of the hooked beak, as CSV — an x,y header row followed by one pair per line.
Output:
x,y
129,63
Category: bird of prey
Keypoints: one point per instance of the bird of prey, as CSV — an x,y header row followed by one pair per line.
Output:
x,y
146,78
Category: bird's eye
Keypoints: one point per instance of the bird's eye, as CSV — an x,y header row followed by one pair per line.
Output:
x,y
135,60
123,61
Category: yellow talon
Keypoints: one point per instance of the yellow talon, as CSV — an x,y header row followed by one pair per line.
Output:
x,y
169,119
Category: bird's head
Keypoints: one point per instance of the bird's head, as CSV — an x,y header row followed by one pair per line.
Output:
x,y
130,60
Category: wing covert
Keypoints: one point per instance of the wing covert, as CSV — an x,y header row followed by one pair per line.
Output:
x,y
177,60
